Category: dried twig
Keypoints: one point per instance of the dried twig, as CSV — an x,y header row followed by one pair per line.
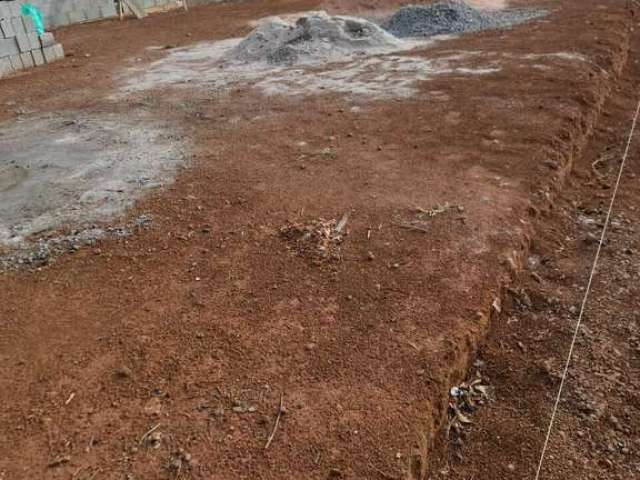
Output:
x,y
149,432
342,222
275,425
410,226
59,461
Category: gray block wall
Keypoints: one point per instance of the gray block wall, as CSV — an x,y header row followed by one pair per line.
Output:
x,y
20,45
58,13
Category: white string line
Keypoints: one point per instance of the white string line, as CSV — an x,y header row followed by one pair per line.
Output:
x,y
586,293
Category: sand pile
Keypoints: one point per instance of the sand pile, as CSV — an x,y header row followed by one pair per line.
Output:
x,y
452,17
314,37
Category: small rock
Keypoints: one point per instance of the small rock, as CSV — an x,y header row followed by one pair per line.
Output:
x,y
153,407
479,364
240,406
56,462
124,372
219,412
154,440
334,474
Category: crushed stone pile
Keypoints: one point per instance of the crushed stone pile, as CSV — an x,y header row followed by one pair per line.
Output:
x,y
451,17
314,37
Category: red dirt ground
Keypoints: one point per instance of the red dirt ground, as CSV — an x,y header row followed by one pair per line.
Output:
x,y
597,432
212,309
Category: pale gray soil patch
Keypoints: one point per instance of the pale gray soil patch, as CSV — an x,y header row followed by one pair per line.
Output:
x,y
392,75
66,171
205,66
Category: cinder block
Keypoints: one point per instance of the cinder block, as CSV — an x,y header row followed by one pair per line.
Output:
x,y
47,21
93,12
5,66
6,28
50,54
28,24
8,46
38,57
46,6
76,16
17,25
14,9
34,40
59,50
5,11
47,39
16,62
23,42
108,10
27,59
60,20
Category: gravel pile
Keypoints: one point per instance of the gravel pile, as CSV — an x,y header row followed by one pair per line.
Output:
x,y
451,17
314,37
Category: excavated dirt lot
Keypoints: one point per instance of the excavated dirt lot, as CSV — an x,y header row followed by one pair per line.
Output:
x,y
166,353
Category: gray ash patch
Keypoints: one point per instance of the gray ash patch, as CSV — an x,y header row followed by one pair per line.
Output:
x,y
445,18
70,169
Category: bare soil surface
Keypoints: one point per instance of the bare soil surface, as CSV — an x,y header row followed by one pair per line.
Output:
x,y
596,434
168,353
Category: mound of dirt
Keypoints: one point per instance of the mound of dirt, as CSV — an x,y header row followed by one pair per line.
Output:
x,y
451,17
314,37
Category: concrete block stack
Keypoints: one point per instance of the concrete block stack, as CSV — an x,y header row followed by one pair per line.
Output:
x,y
20,45
58,13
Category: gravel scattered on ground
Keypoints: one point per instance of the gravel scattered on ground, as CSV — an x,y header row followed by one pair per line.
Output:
x,y
33,254
452,17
